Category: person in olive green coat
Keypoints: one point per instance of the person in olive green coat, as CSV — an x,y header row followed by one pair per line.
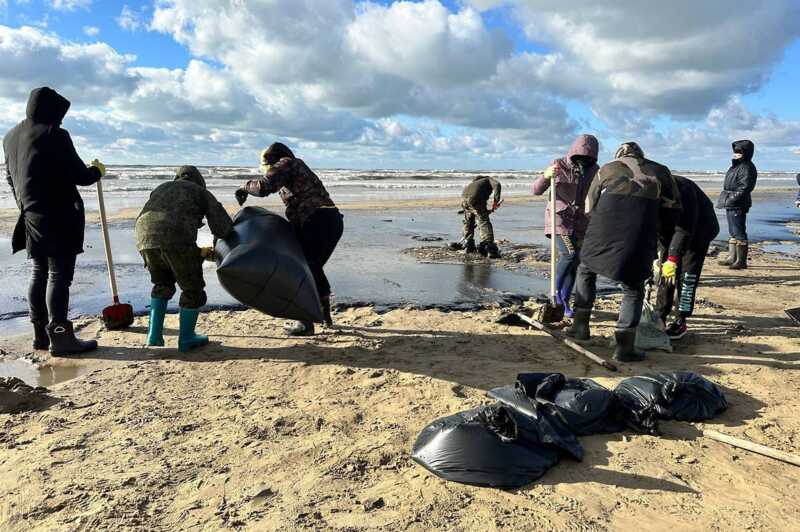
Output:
x,y
166,237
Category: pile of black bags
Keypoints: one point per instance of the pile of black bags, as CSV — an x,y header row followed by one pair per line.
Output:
x,y
537,420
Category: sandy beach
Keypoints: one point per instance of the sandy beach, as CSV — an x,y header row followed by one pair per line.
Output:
x,y
262,432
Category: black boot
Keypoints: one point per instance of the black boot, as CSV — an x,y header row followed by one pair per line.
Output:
x,y
301,328
326,310
579,330
40,339
626,350
741,256
470,247
731,258
63,341
492,251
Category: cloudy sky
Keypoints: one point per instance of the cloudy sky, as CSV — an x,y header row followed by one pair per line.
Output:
x,y
468,84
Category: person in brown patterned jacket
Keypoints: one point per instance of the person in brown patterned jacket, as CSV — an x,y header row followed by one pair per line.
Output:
x,y
309,208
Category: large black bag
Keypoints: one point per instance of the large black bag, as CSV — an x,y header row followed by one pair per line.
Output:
x,y
581,405
489,446
262,265
680,395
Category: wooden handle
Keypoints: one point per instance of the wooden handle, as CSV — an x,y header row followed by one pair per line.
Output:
x,y
753,447
553,249
106,242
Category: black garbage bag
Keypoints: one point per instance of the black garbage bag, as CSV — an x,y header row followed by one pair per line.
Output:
x,y
680,395
488,446
581,405
262,265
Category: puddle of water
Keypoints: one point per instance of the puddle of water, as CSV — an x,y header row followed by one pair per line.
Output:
x,y
39,375
787,249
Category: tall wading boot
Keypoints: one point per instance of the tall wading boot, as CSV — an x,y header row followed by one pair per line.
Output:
x,y
63,341
326,310
187,338
155,335
731,258
626,350
301,328
579,330
741,256
40,339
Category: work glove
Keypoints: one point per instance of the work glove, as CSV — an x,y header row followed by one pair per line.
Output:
x,y
100,166
208,254
241,196
549,172
264,166
668,270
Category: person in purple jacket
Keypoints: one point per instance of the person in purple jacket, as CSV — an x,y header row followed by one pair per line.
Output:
x,y
572,175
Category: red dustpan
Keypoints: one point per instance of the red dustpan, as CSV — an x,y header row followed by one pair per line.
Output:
x,y
119,315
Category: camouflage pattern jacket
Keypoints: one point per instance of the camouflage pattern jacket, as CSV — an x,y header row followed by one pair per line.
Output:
x,y
175,211
300,189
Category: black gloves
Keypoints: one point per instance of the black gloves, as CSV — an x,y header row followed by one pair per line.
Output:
x,y
241,196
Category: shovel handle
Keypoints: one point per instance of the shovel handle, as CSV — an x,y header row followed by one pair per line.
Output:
x,y
553,250
107,242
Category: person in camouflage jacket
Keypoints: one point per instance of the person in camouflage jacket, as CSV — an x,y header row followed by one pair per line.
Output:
x,y
309,208
166,237
473,204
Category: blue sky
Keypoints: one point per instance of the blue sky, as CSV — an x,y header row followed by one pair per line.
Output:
x,y
422,84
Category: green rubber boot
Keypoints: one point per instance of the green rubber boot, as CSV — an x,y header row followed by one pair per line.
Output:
x,y
187,339
158,308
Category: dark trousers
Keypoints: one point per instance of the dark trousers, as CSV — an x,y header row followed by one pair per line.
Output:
x,y
567,266
687,279
177,265
737,224
319,236
48,292
630,311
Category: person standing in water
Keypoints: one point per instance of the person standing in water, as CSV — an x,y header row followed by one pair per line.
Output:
x,y
316,219
736,199
572,175
473,202
44,172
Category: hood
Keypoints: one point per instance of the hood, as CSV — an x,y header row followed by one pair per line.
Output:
x,y
46,106
191,174
745,147
629,149
584,145
276,152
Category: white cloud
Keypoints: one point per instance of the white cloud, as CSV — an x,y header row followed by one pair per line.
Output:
x,y
129,19
70,5
91,31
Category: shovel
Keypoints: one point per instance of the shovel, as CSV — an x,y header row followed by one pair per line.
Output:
x,y
119,315
552,312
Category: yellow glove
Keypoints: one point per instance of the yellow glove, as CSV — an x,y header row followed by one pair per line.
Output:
x,y
264,167
100,166
208,254
668,271
549,172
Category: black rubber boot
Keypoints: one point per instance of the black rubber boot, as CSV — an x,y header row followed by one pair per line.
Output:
x,y
731,258
40,339
626,350
326,310
63,341
470,247
579,330
741,256
492,251
301,328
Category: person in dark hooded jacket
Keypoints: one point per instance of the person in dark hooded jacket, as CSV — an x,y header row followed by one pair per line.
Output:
x,y
628,201
572,175
44,172
166,237
684,247
735,198
309,208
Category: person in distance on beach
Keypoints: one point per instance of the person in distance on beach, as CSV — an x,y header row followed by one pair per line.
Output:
x,y
735,198
622,248
166,237
473,203
44,172
316,219
683,251
572,175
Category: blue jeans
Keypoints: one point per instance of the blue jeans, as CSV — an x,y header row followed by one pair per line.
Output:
x,y
737,224
630,311
566,269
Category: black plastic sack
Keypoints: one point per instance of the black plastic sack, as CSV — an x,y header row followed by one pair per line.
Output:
x,y
488,446
582,405
262,265
681,395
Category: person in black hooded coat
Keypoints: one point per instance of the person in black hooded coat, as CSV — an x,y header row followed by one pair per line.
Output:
x,y
44,172
736,199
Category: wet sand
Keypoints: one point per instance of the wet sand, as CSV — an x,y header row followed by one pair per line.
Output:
x,y
261,432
